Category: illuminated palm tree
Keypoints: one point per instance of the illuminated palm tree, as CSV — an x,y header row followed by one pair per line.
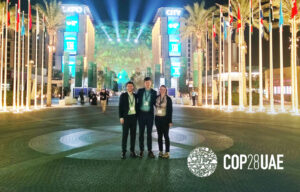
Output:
x,y
2,6
287,6
12,14
54,20
196,27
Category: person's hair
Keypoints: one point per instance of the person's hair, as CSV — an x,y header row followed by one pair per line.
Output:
x,y
129,82
147,79
165,88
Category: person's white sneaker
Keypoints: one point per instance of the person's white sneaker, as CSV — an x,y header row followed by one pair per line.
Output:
x,y
166,155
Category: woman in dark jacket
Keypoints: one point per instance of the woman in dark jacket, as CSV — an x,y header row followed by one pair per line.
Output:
x,y
163,120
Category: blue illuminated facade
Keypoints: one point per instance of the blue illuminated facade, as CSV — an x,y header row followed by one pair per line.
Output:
x,y
174,40
72,23
168,48
71,42
75,46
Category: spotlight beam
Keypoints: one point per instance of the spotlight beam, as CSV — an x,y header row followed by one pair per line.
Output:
x,y
134,6
151,7
105,32
113,13
96,17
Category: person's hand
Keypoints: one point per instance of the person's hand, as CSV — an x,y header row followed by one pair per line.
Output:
x,y
122,121
170,124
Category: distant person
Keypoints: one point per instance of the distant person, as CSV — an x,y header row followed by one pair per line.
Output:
x,y
194,94
103,100
146,101
94,99
81,95
163,120
128,119
108,95
90,95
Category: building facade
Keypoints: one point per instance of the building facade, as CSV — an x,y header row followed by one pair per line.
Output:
x,y
75,46
171,53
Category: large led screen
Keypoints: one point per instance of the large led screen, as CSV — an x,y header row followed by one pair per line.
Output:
x,y
70,42
72,23
175,66
173,25
174,46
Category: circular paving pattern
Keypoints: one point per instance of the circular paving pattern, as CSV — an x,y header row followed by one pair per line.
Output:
x,y
104,143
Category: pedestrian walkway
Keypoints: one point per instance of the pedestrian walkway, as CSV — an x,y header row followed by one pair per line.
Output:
x,y
78,149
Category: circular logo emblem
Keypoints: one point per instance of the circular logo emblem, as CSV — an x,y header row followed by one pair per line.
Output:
x,y
202,162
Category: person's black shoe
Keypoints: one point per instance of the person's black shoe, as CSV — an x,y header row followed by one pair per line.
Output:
x,y
133,154
151,155
141,154
123,155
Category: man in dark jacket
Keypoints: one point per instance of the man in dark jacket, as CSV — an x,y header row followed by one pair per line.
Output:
x,y
128,118
81,95
146,101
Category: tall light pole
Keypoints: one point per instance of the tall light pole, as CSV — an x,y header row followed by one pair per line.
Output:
x,y
261,104
2,53
250,58
230,18
272,110
281,57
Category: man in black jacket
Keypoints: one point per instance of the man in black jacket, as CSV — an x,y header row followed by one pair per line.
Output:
x,y
146,101
128,118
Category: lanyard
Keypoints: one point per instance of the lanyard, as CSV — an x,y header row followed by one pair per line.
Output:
x,y
147,95
161,100
131,101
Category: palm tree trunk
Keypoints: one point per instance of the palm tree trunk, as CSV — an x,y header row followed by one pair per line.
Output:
x,y
50,60
200,64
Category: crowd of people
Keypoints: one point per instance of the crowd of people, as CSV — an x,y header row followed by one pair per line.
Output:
x,y
93,98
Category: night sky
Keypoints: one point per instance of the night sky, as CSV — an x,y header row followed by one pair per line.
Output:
x,y
101,6
100,9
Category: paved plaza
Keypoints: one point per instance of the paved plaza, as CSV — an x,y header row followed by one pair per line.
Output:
x,y
78,149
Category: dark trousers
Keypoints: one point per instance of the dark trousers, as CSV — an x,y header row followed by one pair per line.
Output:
x,y
130,122
194,100
162,127
145,120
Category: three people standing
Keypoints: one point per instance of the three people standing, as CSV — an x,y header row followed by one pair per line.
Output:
x,y
141,107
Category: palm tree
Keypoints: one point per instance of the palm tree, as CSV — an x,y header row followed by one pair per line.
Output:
x,y
246,19
287,10
2,6
54,20
287,6
195,26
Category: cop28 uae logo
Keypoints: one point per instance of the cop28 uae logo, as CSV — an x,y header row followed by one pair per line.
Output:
x,y
202,162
